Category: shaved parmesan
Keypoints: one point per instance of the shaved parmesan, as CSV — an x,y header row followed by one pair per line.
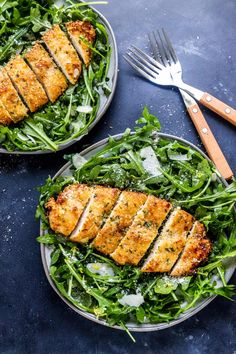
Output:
x,y
77,126
213,177
178,157
59,3
102,269
150,162
183,304
134,300
78,160
84,109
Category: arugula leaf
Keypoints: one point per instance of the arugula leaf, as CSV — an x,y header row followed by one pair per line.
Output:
x,y
39,22
36,130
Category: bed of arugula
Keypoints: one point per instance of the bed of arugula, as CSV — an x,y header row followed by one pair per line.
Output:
x,y
22,22
189,181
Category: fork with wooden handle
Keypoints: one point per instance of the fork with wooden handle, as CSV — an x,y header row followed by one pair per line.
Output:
x,y
212,147
164,53
141,62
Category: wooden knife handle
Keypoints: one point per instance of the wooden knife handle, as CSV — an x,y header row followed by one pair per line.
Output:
x,y
219,107
209,141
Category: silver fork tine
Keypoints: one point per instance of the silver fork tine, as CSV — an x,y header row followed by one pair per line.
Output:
x,y
155,50
170,47
153,42
149,58
139,58
161,48
141,65
137,68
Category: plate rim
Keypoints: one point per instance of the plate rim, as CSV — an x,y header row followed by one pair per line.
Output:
x,y
136,327
114,77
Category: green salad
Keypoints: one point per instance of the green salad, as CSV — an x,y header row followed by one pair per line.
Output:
x,y
22,23
93,282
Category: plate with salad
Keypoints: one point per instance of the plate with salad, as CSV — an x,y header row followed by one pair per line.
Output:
x,y
138,231
58,73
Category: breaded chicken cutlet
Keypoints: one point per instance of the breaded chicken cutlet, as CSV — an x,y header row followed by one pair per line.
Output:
x,y
47,72
130,227
63,53
26,83
43,73
82,35
10,99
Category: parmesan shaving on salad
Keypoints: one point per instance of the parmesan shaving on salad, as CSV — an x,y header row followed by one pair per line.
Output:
x,y
100,268
134,300
150,162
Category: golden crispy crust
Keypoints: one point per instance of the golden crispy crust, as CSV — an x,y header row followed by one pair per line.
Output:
x,y
63,53
26,82
126,223
46,71
170,243
65,212
79,30
5,117
10,98
196,250
142,232
99,207
119,220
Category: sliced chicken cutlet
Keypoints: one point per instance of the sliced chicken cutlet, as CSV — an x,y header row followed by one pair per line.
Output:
x,y
65,212
81,34
170,243
99,207
142,232
120,218
196,250
5,117
26,83
124,224
63,53
47,72
10,98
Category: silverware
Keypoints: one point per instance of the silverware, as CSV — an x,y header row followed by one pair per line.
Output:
x,y
171,75
204,131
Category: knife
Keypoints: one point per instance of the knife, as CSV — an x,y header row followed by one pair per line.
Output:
x,y
207,137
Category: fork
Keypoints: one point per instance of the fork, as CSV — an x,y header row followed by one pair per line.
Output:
x,y
194,111
151,69
172,76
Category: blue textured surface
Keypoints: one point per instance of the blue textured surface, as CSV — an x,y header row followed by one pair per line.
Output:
x,y
33,318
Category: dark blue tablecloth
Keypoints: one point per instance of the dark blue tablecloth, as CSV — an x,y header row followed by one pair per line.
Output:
x,y
33,318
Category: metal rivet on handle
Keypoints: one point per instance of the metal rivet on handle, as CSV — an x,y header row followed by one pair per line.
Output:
x,y
208,98
227,110
204,130
195,110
